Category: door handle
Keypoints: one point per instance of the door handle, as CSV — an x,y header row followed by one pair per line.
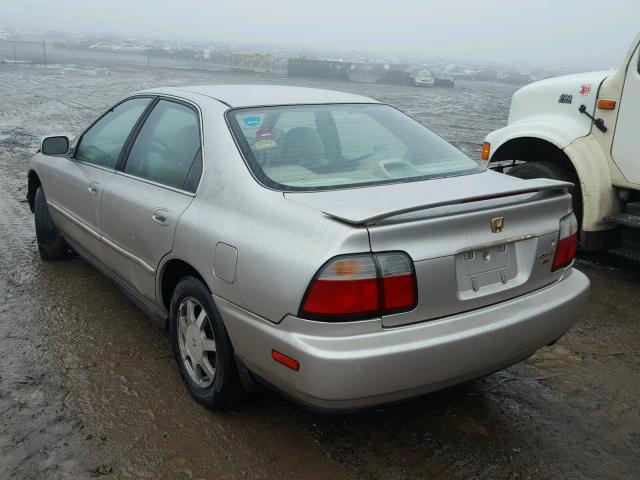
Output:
x,y
93,188
161,216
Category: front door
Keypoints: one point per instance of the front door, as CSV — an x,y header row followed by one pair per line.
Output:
x,y
79,182
143,202
626,141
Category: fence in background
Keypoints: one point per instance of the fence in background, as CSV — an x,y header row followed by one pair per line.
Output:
x,y
23,52
51,53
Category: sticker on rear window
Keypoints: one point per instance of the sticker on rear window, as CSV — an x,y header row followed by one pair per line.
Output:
x,y
264,133
251,121
267,143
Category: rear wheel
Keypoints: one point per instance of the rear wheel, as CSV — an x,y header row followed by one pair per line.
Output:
x,y
201,346
554,171
51,244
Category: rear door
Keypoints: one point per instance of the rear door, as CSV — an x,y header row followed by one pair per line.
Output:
x,y
152,187
626,142
79,182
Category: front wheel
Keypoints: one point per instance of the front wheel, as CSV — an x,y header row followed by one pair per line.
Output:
x,y
51,244
554,171
201,346
540,169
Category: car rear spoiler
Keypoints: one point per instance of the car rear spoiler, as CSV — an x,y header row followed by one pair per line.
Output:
x,y
381,207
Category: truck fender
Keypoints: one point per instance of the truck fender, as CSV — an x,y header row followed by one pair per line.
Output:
x,y
599,199
584,154
559,131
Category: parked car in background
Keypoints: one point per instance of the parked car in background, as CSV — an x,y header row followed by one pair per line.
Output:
x,y
444,80
103,47
421,78
316,242
127,48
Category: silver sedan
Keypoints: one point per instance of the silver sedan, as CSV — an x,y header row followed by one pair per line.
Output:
x,y
316,242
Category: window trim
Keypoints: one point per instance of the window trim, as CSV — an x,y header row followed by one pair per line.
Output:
x,y
122,162
72,155
126,149
264,181
156,184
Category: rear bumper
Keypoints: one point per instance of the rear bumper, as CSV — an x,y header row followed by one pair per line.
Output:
x,y
361,364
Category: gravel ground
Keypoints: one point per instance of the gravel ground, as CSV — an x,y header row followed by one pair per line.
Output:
x,y
88,387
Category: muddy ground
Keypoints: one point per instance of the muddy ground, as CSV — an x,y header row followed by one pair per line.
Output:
x,y
88,387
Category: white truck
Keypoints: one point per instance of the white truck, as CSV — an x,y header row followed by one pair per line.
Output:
x,y
583,128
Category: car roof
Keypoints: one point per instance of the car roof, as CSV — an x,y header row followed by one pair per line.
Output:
x,y
263,95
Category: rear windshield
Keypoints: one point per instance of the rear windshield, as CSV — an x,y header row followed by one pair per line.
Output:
x,y
321,147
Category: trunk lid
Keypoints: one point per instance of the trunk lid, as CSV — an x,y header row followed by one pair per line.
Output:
x,y
451,229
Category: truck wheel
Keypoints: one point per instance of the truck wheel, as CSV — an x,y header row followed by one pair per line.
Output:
x,y
554,171
530,170
202,346
51,244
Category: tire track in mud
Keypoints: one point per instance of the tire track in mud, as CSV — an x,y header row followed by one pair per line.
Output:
x,y
38,435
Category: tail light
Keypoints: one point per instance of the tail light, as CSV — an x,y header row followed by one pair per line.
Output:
x,y
567,241
351,287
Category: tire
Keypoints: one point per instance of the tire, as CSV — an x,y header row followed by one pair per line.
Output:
x,y
554,171
531,170
210,376
51,244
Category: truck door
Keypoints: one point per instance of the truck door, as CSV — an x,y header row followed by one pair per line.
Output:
x,y
626,141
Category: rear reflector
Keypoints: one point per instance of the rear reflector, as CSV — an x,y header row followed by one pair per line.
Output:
x,y
284,360
361,286
567,242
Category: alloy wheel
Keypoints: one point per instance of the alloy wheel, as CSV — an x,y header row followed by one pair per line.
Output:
x,y
196,342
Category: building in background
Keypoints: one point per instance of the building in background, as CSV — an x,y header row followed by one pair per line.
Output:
x,y
252,62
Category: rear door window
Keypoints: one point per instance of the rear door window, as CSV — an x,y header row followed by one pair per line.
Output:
x,y
167,148
103,142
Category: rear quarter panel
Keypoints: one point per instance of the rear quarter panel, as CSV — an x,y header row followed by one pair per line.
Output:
x,y
280,245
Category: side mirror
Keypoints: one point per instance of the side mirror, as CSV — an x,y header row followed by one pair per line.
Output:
x,y
58,145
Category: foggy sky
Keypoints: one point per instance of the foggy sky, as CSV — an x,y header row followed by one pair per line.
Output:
x,y
571,33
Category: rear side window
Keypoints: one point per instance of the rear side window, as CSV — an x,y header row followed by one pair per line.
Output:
x,y
102,143
167,147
